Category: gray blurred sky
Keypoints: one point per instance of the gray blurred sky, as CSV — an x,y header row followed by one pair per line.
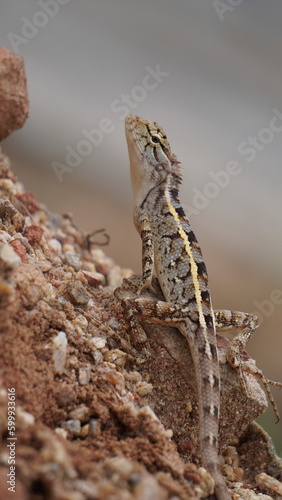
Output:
x,y
218,82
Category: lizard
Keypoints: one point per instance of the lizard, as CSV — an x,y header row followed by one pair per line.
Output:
x,y
170,248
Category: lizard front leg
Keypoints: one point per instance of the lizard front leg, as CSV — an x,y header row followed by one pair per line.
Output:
x,y
148,305
143,227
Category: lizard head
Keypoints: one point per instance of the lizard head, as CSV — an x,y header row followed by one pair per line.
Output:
x,y
151,159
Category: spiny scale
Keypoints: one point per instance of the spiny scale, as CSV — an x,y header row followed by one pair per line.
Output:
x,y
170,246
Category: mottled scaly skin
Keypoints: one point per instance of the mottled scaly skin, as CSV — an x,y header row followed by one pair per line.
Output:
x,y
170,246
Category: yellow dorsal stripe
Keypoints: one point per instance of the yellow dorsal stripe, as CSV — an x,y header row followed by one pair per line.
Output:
x,y
193,265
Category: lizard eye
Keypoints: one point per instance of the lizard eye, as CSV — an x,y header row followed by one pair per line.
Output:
x,y
155,139
159,167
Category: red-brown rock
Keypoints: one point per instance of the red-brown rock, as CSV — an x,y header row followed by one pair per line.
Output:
x,y
13,93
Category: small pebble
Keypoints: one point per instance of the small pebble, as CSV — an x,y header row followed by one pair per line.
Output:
x,y
79,276
5,237
45,265
120,465
29,201
25,417
77,292
81,413
94,279
116,356
114,277
55,245
9,257
8,211
102,263
73,260
65,395
33,233
73,427
60,352
19,249
84,431
144,388
84,375
81,321
98,342
94,427
61,432
269,482
97,357
8,187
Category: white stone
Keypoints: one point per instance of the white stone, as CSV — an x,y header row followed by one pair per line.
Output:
x,y
60,352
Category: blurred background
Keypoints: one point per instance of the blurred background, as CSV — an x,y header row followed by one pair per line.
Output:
x,y
210,72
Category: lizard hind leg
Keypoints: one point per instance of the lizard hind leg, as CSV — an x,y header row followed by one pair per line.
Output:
x,y
246,324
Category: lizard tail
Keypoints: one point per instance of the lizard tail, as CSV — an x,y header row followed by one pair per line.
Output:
x,y
204,353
